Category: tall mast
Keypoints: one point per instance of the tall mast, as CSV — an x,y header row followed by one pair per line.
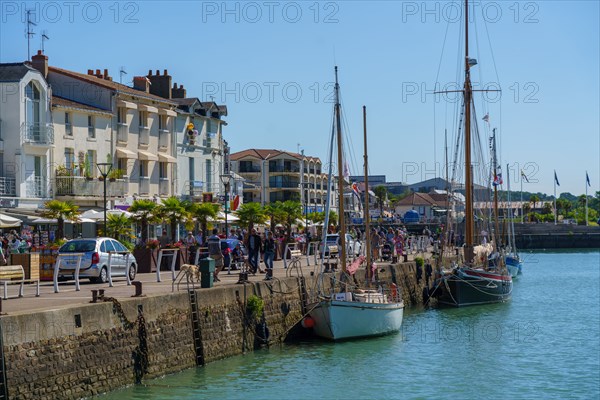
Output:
x,y
338,123
367,222
468,174
495,162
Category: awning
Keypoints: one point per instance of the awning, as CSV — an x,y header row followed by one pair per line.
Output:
x,y
146,155
164,111
126,104
144,107
166,158
9,222
124,153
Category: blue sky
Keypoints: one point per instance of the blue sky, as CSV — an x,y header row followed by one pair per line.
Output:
x,y
272,63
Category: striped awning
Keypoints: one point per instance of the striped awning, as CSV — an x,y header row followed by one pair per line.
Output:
x,y
166,158
124,153
146,155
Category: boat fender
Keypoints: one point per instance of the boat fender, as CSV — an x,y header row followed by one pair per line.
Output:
x,y
308,322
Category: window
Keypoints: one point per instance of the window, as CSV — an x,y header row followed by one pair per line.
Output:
x,y
91,127
143,119
121,115
68,126
122,165
209,173
162,170
90,157
162,122
32,106
143,168
69,158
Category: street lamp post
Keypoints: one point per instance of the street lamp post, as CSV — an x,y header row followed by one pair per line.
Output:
x,y
104,169
226,179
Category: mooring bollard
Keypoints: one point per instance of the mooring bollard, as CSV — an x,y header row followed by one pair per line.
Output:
x,y
94,296
405,257
456,251
138,288
101,294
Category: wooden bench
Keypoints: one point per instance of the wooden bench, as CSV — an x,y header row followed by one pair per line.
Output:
x,y
13,274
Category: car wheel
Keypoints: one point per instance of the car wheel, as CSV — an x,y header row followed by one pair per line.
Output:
x,y
103,277
132,272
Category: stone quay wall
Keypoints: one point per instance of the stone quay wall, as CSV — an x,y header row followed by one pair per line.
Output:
x,y
80,351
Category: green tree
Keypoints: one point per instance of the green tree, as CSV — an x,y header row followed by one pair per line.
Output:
x,y
144,212
61,211
534,199
119,227
292,211
204,212
251,214
275,213
547,208
173,210
381,196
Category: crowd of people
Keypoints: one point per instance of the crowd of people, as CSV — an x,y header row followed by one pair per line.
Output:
x,y
14,243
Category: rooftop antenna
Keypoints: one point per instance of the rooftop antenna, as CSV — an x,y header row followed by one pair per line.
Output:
x,y
121,73
212,98
298,145
44,38
29,32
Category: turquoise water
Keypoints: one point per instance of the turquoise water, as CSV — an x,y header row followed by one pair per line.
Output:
x,y
545,343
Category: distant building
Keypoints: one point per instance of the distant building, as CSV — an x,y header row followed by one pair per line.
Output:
x,y
277,175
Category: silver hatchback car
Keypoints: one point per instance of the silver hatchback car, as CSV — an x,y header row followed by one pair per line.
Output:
x,y
94,262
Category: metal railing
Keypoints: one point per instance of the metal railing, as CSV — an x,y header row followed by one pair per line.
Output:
x,y
84,187
8,186
39,134
35,187
250,169
164,187
144,185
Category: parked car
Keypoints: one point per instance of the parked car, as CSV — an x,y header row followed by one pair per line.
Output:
x,y
94,263
353,246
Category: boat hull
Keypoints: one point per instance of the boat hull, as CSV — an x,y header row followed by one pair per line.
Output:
x,y
468,287
338,320
514,264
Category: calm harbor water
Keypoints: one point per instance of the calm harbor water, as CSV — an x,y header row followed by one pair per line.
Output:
x,y
545,343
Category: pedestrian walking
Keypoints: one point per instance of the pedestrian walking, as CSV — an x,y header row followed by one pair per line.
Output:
x,y
254,244
269,255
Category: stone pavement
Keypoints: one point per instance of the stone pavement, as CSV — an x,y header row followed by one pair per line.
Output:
x,y
68,296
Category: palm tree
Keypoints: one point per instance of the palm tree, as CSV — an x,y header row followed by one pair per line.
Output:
x,y
173,210
203,212
292,211
275,213
120,227
381,195
61,211
534,199
526,209
143,212
250,214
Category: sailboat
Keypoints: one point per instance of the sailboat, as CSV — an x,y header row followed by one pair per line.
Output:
x,y
512,259
346,312
476,280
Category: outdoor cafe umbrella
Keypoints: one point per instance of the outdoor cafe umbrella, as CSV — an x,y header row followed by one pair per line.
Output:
x,y
9,222
55,221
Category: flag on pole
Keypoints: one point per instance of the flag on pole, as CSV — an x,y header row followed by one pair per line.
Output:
x,y
486,117
346,172
587,179
524,176
498,180
556,179
355,190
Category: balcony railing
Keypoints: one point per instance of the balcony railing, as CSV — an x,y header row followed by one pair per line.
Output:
x,y
144,136
35,187
8,186
280,168
144,185
192,189
38,134
163,138
122,132
249,169
83,187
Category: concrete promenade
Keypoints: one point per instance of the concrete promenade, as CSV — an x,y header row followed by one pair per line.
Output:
x,y
68,296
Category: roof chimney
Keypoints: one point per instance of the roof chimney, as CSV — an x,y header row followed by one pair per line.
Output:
x,y
90,72
141,83
40,62
161,84
178,93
